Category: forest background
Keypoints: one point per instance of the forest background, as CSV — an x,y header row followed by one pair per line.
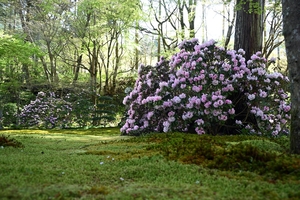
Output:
x,y
69,63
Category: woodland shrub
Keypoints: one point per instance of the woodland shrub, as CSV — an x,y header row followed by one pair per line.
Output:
x,y
46,111
70,111
206,89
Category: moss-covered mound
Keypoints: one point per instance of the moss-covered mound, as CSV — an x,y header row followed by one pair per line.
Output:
x,y
265,156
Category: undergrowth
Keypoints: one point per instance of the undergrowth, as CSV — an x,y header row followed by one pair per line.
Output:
x,y
5,141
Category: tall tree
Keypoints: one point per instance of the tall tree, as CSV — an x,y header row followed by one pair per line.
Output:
x,y
248,36
291,30
249,26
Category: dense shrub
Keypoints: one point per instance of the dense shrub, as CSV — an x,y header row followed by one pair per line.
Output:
x,y
9,114
206,89
46,111
82,108
71,111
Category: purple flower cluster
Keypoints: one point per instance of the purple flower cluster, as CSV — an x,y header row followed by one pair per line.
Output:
x,y
195,91
47,112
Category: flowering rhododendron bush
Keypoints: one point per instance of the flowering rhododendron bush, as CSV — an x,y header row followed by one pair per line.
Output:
x,y
46,111
206,89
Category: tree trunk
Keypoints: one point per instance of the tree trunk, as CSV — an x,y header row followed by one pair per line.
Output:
x,y
136,56
116,68
291,30
159,35
192,15
203,19
93,69
249,27
248,36
181,20
77,68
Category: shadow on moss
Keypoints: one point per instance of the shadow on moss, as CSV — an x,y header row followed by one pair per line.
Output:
x,y
5,141
264,156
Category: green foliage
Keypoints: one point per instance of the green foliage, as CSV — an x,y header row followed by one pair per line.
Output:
x,y
104,111
14,50
9,114
249,6
81,108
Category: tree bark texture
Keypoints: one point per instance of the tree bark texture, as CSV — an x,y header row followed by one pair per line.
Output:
x,y
291,32
249,27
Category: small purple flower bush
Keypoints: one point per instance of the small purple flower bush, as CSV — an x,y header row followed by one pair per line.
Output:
x,y
206,89
70,111
46,111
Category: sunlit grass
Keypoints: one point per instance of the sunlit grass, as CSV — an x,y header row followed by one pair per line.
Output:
x,y
54,165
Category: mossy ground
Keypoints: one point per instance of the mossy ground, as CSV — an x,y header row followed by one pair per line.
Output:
x,y
101,164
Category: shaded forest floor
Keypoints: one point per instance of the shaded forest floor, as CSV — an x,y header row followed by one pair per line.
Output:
x,y
101,164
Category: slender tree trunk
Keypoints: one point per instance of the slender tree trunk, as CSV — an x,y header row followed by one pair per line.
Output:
x,y
93,68
136,40
230,30
192,16
203,22
24,21
53,72
77,68
291,30
159,35
116,68
46,71
181,20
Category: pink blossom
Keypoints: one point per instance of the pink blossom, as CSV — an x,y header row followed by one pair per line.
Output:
x,y
146,124
222,117
216,104
187,115
215,82
167,104
263,94
204,98
171,113
251,97
259,113
207,104
197,88
199,131
287,108
149,115
176,99
149,82
214,97
221,77
182,95
266,108
182,80
216,112
239,122
199,122
171,119
182,86
163,84
231,111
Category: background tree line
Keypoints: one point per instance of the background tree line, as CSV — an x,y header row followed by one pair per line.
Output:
x,y
96,46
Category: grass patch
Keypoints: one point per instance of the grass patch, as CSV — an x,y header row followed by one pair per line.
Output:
x,y
101,164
